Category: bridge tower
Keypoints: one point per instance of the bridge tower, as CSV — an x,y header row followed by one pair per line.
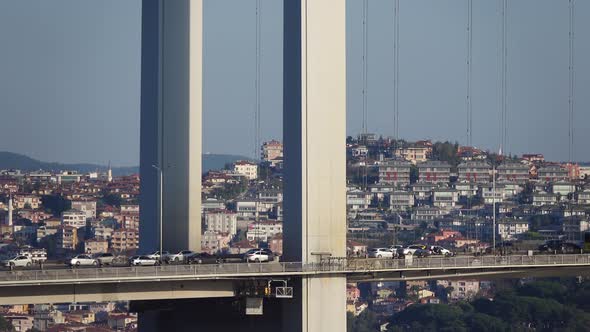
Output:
x,y
171,115
314,139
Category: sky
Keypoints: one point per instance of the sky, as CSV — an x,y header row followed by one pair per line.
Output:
x,y
70,76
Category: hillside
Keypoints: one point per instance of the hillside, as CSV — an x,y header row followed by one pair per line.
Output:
x,y
9,160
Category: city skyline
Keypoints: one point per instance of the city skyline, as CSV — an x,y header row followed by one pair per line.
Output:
x,y
432,62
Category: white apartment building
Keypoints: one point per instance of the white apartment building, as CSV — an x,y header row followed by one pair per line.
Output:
x,y
445,198
563,188
88,207
401,200
73,218
263,230
222,222
584,197
247,169
540,199
357,199
487,193
509,229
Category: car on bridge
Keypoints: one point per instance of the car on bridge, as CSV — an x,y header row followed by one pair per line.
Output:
x,y
82,260
438,250
18,261
416,250
105,258
143,261
258,255
204,258
380,253
180,257
156,255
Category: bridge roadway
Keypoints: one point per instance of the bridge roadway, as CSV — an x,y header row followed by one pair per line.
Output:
x,y
218,280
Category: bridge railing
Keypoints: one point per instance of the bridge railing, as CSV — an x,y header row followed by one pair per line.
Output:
x,y
331,265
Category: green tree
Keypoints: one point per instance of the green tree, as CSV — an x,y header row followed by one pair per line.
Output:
x,y
5,325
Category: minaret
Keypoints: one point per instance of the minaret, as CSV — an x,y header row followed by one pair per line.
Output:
x,y
110,173
10,211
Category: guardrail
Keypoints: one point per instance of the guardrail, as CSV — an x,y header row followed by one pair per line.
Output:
x,y
343,265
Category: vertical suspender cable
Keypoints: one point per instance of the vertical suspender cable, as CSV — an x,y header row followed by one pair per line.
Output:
x,y
396,70
571,81
365,64
469,60
503,54
258,81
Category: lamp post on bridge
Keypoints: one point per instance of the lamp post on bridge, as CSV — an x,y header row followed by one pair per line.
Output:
x,y
160,199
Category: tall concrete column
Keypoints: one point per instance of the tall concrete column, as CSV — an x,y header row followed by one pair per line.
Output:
x,y
315,156
171,115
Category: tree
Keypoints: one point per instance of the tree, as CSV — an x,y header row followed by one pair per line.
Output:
x,y
365,322
5,326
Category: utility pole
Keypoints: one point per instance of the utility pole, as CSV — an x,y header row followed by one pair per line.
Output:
x,y
494,209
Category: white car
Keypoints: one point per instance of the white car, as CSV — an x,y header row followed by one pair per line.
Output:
x,y
411,250
83,260
156,255
144,261
18,261
438,250
258,256
381,253
179,257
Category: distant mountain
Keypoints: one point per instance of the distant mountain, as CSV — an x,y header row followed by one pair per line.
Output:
x,y
9,160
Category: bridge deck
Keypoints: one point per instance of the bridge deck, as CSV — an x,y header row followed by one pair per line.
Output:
x,y
349,267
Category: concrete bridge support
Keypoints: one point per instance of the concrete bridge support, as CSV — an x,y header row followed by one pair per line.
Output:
x,y
314,141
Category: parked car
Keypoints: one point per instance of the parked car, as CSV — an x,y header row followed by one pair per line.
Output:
x,y
83,260
397,250
380,253
203,258
156,255
258,255
180,257
18,261
144,261
105,258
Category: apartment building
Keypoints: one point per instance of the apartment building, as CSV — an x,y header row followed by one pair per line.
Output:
x,y
74,218
514,172
434,172
474,171
396,172
247,169
263,230
401,200
553,174
125,240
88,207
222,221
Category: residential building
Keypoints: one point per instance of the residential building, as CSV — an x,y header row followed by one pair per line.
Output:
x,y
466,189
102,232
426,213
121,322
222,221
508,229
359,151
26,202
380,190
272,151
44,231
395,172
276,244
248,208
88,207
74,218
514,172
212,204
401,200
533,158
542,198
552,174
474,171
575,227
247,169
213,242
357,199
125,240
417,154
67,238
81,316
461,289
488,192
263,230
445,198
563,188
422,190
584,197
93,246
21,323
434,172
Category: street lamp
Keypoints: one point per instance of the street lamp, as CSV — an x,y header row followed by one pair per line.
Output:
x,y
160,199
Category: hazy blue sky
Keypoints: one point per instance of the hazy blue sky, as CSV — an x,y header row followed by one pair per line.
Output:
x,y
69,75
